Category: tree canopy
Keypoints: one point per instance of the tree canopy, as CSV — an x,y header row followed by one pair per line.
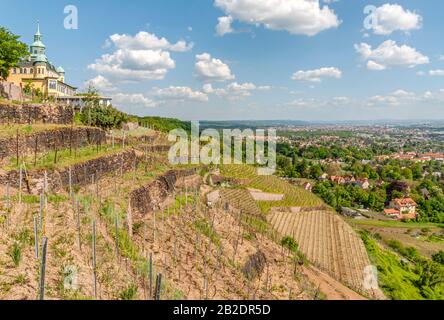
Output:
x,y
11,51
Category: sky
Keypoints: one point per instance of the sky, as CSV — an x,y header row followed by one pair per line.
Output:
x,y
247,59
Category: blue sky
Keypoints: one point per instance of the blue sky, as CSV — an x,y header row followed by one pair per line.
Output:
x,y
266,59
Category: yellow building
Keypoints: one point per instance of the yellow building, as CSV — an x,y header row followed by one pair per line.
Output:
x,y
42,76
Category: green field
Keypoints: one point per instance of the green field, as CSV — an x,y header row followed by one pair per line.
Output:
x,y
396,224
401,279
293,196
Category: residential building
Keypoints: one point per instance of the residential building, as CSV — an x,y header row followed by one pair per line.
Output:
x,y
402,209
39,74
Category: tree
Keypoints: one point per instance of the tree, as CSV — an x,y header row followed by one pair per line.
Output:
x,y
105,117
11,51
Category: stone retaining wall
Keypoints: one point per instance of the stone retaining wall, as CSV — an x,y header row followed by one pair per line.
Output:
x,y
154,195
30,113
82,174
62,138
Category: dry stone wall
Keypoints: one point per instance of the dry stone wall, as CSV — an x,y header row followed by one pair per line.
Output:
x,y
10,91
30,113
82,174
154,195
60,138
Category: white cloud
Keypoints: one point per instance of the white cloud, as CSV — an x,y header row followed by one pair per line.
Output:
x,y
145,40
441,58
211,69
393,17
341,99
305,103
389,54
160,97
137,58
134,65
305,17
317,75
396,98
234,90
180,94
136,99
437,72
224,26
371,65
100,83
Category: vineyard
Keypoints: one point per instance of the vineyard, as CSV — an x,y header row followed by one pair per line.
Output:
x,y
241,199
293,196
85,242
328,242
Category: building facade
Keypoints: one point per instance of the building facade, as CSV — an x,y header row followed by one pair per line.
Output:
x,y
402,209
37,73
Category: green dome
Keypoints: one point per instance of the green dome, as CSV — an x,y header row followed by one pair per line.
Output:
x,y
40,58
60,70
38,44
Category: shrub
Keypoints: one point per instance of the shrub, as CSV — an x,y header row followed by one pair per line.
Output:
x,y
129,293
103,117
290,244
438,257
15,252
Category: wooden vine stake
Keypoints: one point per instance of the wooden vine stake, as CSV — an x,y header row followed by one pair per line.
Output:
x,y
35,150
158,286
151,275
8,196
94,258
79,239
17,147
43,268
41,208
36,238
117,237
20,184
129,218
70,181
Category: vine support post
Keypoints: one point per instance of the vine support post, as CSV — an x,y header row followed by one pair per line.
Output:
x,y
36,238
94,258
43,269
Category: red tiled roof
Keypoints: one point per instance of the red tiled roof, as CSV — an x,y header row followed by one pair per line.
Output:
x,y
404,202
391,211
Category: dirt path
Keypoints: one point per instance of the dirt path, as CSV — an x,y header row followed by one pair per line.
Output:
x,y
331,288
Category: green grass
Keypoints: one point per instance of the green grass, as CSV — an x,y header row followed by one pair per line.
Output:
x,y
129,293
203,226
399,280
10,131
135,133
397,224
33,199
15,253
65,157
